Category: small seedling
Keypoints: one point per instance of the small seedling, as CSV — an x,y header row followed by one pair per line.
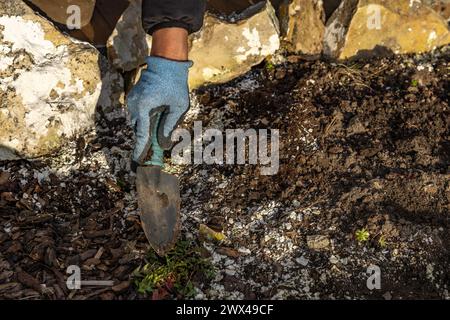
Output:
x,y
270,66
362,235
174,272
414,83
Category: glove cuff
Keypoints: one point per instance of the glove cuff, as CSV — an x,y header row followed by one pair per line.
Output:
x,y
164,66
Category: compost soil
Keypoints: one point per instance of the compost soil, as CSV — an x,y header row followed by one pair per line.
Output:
x,y
364,149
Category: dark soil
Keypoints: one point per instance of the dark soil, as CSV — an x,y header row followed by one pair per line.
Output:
x,y
364,145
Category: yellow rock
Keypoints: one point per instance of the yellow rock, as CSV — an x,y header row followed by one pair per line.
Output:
x,y
302,26
222,51
127,46
210,234
358,27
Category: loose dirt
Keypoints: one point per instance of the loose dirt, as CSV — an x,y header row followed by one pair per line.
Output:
x,y
364,149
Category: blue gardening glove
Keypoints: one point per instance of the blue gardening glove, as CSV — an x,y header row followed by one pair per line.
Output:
x,y
161,93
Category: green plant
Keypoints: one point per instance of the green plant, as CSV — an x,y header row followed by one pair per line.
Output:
x,y
362,235
270,66
173,274
414,83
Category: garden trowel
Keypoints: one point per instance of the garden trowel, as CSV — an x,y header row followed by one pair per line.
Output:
x,y
159,199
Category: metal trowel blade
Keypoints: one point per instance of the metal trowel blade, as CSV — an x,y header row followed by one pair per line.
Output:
x,y
159,201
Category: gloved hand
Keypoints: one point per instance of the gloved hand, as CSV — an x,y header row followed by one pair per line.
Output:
x,y
162,90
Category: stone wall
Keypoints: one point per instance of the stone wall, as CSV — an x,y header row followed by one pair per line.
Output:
x,y
51,84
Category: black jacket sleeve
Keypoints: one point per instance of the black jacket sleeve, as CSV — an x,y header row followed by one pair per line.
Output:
x,y
187,14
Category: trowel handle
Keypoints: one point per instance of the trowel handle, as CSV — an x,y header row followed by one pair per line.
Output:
x,y
158,153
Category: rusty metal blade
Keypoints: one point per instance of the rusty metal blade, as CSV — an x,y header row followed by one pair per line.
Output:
x,y
159,202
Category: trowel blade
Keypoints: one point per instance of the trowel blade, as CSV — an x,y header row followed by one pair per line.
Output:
x,y
159,202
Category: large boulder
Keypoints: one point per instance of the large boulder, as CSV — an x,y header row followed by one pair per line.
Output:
x,y
366,27
302,24
127,46
222,50
50,85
